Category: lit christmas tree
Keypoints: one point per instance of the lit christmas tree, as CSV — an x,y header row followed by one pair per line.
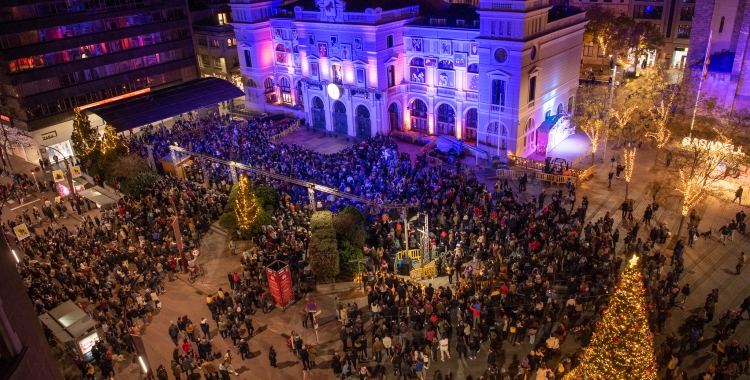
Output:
x,y
622,347
112,143
246,207
84,137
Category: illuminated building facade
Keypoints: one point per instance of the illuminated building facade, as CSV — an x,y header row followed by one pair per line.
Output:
x,y
59,55
491,75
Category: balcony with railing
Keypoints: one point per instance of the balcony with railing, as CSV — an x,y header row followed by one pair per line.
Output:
x,y
369,16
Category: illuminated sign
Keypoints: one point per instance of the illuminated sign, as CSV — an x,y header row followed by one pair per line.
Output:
x,y
712,145
87,343
114,99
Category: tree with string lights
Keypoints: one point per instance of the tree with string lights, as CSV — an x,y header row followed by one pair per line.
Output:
x,y
622,348
85,139
660,116
112,144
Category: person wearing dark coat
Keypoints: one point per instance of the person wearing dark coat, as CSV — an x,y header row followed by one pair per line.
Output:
x,y
272,356
173,332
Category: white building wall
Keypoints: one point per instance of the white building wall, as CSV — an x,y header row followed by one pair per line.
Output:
x,y
364,72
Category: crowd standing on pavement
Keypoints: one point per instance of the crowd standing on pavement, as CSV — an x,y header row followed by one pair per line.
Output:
x,y
523,269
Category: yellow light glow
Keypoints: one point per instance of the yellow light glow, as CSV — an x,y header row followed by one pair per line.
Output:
x,y
629,154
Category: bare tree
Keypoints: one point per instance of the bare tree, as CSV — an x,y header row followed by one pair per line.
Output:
x,y
713,151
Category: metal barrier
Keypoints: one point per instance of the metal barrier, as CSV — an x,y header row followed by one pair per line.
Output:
x,y
286,132
589,172
554,178
427,271
505,173
415,254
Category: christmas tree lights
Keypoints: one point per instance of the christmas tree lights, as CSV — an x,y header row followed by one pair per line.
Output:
x,y
622,347
246,207
84,137
111,142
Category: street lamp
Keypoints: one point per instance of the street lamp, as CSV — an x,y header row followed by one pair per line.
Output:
x,y
33,173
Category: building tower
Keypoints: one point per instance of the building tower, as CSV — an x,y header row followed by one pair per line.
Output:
x,y
251,21
529,54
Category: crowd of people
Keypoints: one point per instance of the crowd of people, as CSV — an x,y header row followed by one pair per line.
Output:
x,y
523,268
509,255
114,262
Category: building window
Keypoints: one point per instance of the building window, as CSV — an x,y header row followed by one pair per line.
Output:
x,y
389,41
217,62
588,50
445,64
222,18
391,74
286,91
248,59
231,42
647,12
532,89
268,84
416,61
215,43
202,41
336,74
498,92
721,25
683,31
204,60
686,13
473,68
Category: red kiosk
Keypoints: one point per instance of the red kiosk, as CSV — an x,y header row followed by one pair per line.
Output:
x,y
280,283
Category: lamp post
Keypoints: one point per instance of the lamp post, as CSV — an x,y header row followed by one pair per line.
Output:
x,y
33,173
68,174
609,108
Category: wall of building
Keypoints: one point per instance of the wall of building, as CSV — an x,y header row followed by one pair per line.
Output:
x,y
429,64
20,329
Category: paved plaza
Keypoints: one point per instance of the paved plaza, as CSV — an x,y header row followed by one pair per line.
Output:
x,y
708,264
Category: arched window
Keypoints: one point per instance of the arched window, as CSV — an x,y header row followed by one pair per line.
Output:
x,y
721,25
445,64
473,68
560,109
250,82
268,84
286,91
280,47
416,61
419,120
446,120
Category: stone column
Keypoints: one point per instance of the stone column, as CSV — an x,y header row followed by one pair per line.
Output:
x,y
311,195
233,172
151,162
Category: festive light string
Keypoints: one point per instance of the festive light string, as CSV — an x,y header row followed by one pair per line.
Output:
x,y
629,162
692,192
244,207
593,129
662,134
111,141
80,119
622,347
